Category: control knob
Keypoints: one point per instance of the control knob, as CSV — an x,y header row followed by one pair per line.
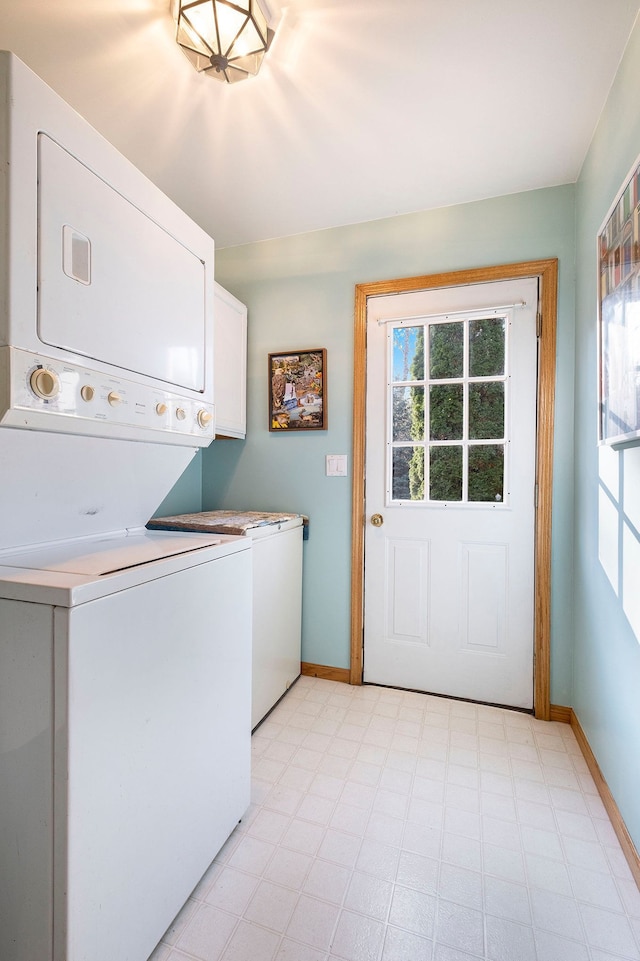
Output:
x,y
180,413
114,398
204,418
44,383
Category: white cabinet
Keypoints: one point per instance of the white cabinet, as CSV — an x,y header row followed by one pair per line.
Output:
x,y
277,614
230,364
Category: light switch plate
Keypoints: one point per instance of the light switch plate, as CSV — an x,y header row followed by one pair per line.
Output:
x,y
336,465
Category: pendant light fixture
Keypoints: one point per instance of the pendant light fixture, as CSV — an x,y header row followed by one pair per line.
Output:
x,y
225,39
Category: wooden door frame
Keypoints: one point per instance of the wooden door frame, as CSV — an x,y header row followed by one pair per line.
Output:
x,y
547,273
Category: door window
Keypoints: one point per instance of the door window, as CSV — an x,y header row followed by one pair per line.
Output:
x,y
448,400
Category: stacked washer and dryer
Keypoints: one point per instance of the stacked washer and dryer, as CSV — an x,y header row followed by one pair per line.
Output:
x,y
125,654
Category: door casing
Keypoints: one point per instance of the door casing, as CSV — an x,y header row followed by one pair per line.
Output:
x,y
547,273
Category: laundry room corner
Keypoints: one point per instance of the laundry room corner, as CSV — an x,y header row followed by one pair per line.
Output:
x,y
185,497
286,471
276,473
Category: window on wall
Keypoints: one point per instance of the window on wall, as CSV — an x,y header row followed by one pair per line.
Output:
x,y
448,398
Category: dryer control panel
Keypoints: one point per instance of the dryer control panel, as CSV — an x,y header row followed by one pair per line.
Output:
x,y
42,393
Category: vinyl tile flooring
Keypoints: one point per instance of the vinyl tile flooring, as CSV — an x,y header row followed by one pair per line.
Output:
x,y
394,826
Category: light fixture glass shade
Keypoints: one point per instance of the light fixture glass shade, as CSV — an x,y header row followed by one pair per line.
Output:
x,y
226,39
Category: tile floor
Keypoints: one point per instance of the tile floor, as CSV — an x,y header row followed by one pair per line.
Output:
x,y
392,826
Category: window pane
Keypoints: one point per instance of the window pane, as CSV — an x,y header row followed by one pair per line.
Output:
x,y
445,411
408,413
445,473
408,353
486,347
486,410
446,350
486,473
407,483
401,414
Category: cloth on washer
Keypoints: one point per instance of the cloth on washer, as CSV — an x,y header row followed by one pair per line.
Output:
x,y
220,522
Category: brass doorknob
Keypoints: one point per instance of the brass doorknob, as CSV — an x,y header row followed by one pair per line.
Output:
x,y
377,520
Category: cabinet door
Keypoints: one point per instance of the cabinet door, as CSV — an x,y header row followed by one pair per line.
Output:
x,y
230,365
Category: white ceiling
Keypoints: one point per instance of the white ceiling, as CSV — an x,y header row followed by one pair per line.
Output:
x,y
363,108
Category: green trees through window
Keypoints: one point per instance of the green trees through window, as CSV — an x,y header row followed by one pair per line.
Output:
x,y
448,411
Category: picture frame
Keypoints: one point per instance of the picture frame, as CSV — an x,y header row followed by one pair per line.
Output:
x,y
298,390
619,317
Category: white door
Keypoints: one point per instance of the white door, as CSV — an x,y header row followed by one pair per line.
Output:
x,y
450,491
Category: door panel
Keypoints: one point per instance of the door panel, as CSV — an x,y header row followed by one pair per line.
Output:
x,y
450,466
484,592
406,567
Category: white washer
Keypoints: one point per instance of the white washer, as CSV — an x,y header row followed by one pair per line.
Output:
x,y
124,712
277,593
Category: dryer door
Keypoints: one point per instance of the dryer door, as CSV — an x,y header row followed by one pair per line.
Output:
x,y
114,286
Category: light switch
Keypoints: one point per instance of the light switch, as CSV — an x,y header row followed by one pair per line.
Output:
x,y
336,465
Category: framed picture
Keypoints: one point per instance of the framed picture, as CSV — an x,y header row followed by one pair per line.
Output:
x,y
298,390
619,316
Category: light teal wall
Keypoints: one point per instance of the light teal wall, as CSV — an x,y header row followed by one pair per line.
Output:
x,y
607,652
185,497
300,294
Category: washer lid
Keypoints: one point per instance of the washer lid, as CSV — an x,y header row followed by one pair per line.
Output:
x,y
108,555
